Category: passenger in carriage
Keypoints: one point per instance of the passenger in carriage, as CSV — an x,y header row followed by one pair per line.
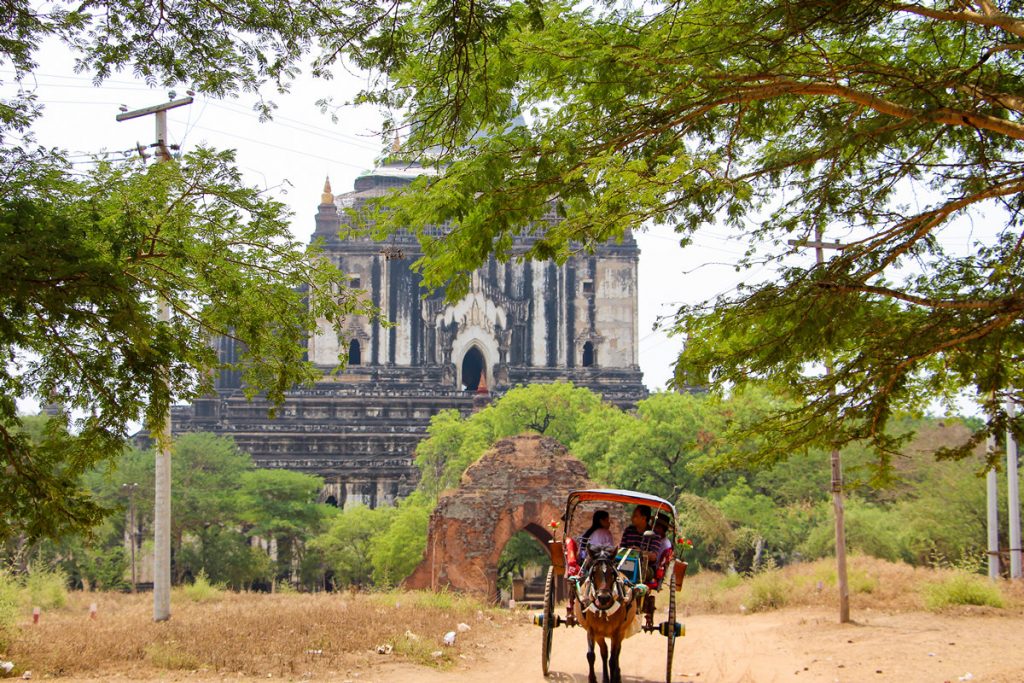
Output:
x,y
661,529
636,535
598,534
640,536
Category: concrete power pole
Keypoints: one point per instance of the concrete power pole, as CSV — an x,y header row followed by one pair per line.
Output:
x,y
836,462
162,502
1013,496
992,494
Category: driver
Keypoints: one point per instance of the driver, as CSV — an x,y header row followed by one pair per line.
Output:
x,y
639,534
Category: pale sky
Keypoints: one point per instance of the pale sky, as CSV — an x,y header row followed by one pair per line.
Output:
x,y
292,155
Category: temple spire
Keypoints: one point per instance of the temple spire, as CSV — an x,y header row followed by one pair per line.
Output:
x,y
327,197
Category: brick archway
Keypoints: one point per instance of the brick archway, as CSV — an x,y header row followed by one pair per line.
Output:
x,y
519,485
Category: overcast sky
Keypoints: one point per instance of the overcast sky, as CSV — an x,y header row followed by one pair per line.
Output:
x,y
292,155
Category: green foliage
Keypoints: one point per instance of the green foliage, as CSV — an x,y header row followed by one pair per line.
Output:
x,y
345,544
226,556
963,589
521,551
45,587
201,590
281,503
452,444
86,254
771,120
220,503
654,451
943,517
712,535
554,410
396,551
869,530
10,603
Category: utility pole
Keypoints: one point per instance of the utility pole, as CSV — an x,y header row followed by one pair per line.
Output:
x,y
132,536
1013,495
836,461
162,496
992,494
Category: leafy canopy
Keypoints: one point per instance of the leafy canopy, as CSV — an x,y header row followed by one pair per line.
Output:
x,y
86,256
881,124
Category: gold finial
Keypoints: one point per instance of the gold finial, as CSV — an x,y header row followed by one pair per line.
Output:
x,y
396,144
327,197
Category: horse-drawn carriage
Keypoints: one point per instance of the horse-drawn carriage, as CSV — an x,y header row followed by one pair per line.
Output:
x,y
609,588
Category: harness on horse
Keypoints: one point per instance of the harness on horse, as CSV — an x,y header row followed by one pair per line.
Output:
x,y
623,591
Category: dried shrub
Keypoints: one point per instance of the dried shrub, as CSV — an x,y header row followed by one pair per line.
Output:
x,y
769,590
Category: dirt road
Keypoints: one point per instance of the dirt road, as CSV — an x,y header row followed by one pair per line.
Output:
x,y
788,645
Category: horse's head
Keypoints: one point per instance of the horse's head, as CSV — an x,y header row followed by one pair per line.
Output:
x,y
603,576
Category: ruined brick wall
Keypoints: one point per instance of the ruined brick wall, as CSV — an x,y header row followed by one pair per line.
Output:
x,y
519,485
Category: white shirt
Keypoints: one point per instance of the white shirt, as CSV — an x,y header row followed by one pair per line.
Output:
x,y
603,537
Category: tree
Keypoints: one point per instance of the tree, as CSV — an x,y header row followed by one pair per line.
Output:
x,y
282,505
396,551
85,256
655,452
346,543
880,122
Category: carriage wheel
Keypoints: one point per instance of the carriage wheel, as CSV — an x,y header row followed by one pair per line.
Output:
x,y
671,630
549,620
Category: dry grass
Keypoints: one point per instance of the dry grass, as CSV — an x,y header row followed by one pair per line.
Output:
x,y
250,634
327,635
874,585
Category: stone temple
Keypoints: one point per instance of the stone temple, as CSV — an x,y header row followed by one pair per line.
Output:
x,y
521,322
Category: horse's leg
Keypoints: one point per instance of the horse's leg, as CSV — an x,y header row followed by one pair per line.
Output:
x,y
614,660
604,659
591,657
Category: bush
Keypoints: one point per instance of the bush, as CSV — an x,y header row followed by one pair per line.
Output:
x,y
768,591
858,580
10,597
170,656
962,589
45,587
201,590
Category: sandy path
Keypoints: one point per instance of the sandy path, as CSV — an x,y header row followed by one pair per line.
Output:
x,y
789,645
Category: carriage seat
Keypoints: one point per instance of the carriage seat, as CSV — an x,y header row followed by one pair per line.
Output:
x,y
572,558
628,562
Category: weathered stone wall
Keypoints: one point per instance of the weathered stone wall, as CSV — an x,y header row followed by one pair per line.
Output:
x,y
520,484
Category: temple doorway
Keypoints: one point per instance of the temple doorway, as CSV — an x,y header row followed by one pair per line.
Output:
x,y
472,369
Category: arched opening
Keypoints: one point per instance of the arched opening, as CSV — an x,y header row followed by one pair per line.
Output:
x,y
522,568
472,369
354,353
332,501
588,354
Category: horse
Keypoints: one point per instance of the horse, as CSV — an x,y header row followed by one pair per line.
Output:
x,y
606,606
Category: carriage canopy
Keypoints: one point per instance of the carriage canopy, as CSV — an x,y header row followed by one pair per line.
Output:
x,y
658,505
